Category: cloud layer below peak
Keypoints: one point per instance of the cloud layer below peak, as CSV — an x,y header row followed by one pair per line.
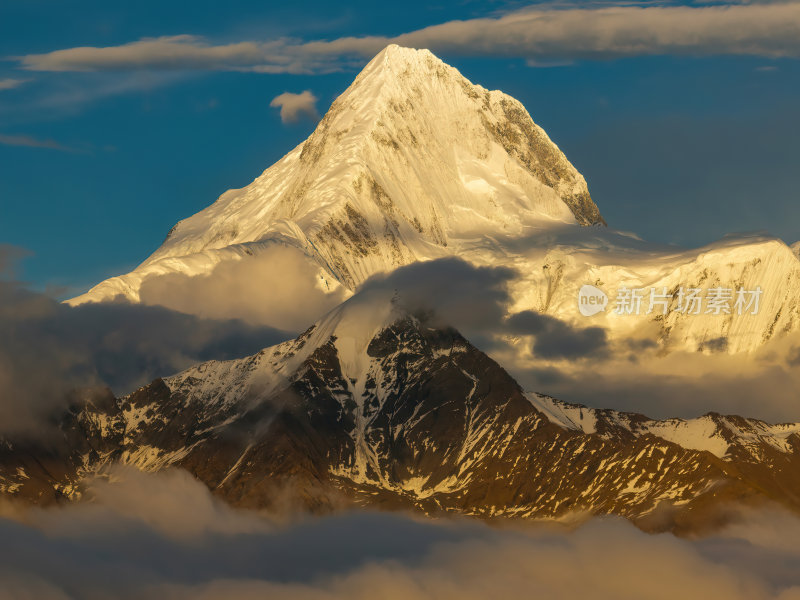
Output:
x,y
134,540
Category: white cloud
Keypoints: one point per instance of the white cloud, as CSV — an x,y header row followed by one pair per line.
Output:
x,y
167,52
280,285
295,106
539,35
618,31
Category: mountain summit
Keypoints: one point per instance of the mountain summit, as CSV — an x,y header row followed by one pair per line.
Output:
x,y
410,162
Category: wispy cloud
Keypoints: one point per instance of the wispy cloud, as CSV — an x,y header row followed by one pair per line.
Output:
x,y
68,93
178,52
535,34
295,106
10,84
32,142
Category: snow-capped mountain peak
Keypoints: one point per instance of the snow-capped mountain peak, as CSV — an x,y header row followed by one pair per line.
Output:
x,y
411,162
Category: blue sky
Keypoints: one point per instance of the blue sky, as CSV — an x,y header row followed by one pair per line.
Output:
x,y
684,132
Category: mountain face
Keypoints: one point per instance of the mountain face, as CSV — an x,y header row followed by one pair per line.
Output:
x,y
408,163
374,406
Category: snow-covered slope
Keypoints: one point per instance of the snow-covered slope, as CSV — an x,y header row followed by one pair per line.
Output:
x,y
409,161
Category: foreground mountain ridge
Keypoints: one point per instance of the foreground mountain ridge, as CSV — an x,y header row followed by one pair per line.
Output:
x,y
377,407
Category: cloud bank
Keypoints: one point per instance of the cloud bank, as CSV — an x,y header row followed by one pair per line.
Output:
x,y
279,287
134,541
48,349
536,34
